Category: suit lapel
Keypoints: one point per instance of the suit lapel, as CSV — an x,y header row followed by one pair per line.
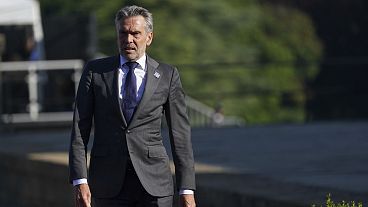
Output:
x,y
153,78
111,80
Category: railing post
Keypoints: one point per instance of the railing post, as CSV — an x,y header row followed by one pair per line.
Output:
x,y
1,102
32,80
76,76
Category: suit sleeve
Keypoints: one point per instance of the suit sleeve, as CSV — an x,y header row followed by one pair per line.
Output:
x,y
82,122
180,135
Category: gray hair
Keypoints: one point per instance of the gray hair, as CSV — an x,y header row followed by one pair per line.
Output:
x,y
131,11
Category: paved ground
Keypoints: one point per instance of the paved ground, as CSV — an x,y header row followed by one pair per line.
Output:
x,y
331,156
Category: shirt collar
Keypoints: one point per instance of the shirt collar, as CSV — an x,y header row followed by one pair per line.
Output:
x,y
141,61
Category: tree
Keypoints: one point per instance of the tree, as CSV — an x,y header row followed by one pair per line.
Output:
x,y
242,54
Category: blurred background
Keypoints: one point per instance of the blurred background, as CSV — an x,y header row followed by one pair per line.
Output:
x,y
283,81
260,61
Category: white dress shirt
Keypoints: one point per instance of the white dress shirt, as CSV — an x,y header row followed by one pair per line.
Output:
x,y
140,74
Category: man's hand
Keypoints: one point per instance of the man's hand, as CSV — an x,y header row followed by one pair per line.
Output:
x,y
187,200
82,196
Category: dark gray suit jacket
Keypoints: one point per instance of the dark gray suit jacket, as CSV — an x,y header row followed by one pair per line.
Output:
x,y
97,101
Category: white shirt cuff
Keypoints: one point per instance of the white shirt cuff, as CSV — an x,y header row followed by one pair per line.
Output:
x,y
84,181
186,192
79,181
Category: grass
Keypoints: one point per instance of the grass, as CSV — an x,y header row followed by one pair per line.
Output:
x,y
331,203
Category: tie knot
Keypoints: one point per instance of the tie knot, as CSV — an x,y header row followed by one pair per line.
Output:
x,y
131,65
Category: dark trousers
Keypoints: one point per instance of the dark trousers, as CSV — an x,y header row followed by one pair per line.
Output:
x,y
133,195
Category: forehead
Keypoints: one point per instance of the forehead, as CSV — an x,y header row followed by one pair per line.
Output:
x,y
134,22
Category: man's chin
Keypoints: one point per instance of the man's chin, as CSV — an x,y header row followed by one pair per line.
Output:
x,y
130,56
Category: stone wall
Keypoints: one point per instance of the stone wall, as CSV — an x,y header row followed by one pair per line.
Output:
x,y
32,183
26,182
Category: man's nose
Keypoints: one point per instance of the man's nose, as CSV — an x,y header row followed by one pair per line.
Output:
x,y
130,38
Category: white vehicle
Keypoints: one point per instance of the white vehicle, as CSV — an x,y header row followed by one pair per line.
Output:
x,y
20,29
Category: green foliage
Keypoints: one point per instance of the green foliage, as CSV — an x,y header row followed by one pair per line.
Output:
x,y
253,59
331,203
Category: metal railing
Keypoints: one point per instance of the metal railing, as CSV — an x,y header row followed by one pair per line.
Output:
x,y
200,114
32,79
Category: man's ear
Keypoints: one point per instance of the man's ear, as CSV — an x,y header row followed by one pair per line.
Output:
x,y
149,38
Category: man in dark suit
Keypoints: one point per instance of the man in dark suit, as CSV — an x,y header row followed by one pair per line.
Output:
x,y
125,97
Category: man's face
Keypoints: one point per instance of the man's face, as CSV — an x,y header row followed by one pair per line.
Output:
x,y
133,37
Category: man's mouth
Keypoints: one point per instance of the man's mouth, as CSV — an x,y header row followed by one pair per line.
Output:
x,y
129,49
